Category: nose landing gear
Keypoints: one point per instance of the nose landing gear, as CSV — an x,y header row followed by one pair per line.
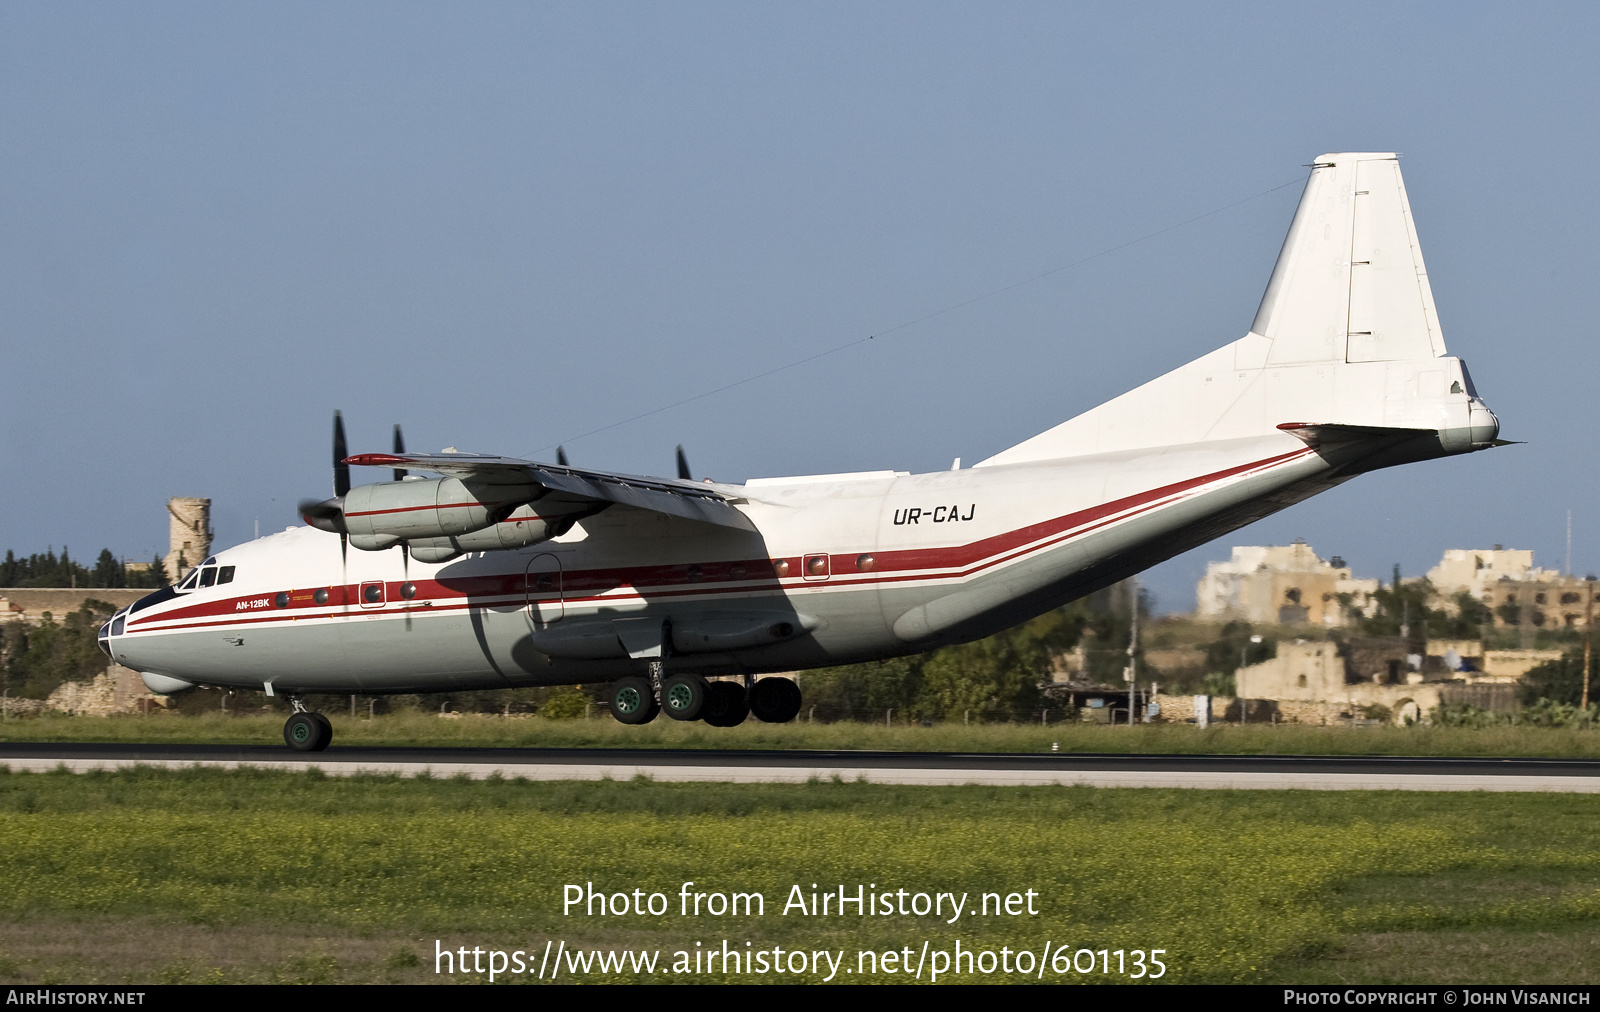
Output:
x,y
306,731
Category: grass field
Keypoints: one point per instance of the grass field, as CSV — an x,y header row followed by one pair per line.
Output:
x,y
422,729
148,876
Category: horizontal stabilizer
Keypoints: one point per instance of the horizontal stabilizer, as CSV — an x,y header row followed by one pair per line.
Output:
x,y
1315,434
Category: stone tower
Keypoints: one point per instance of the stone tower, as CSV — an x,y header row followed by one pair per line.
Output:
x,y
191,535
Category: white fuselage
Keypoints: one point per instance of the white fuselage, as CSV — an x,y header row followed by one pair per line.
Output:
x,y
861,567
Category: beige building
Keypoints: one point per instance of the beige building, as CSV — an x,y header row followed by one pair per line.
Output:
x,y
1320,682
1520,594
1282,585
1475,569
1563,602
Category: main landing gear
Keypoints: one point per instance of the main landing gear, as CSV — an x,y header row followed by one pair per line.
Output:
x,y
637,700
306,731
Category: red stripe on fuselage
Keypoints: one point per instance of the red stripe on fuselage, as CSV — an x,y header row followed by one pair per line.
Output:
x,y
648,582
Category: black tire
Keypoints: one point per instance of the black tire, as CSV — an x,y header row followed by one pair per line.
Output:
x,y
327,731
631,701
683,697
775,700
726,705
307,732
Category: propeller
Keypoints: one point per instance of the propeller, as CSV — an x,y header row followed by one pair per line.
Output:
x,y
328,514
399,451
683,465
341,470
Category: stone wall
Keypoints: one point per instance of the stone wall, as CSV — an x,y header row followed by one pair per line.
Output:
x,y
30,603
116,690
1511,665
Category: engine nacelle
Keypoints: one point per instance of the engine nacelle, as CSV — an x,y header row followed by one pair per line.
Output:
x,y
522,528
383,514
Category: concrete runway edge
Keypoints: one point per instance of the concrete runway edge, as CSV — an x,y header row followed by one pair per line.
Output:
x,y
1203,779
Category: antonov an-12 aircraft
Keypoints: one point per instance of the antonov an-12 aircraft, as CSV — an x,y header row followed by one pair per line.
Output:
x,y
504,572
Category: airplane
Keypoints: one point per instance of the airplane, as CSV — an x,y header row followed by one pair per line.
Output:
x,y
501,572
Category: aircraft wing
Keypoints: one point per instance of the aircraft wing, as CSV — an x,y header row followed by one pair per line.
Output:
x,y
687,499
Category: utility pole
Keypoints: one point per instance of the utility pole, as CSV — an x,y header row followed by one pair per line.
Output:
x,y
1132,672
1588,638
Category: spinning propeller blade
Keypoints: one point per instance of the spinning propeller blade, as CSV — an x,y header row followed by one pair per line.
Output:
x,y
399,451
341,470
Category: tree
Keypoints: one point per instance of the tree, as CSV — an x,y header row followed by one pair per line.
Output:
x,y
50,570
852,690
1233,646
108,572
1471,618
1560,681
999,676
55,652
1406,604
1001,673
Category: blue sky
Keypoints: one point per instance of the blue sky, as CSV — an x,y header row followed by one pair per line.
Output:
x,y
507,226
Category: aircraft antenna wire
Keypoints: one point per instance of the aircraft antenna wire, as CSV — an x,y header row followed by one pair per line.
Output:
x,y
1013,286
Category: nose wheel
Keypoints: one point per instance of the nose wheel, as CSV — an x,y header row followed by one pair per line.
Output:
x,y
305,731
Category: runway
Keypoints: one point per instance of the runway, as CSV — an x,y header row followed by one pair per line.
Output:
x,y
1231,772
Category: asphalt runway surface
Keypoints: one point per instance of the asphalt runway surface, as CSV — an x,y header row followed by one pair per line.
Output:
x,y
1272,772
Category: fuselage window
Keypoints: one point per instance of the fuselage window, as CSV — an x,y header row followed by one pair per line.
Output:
x,y
208,576
225,575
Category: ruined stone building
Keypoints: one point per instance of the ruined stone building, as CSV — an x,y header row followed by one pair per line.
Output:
x,y
190,533
1325,682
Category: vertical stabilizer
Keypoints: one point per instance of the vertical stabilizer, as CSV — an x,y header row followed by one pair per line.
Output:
x,y
1350,284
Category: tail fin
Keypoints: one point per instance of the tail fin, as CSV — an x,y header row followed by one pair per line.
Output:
x,y
1346,334
1350,285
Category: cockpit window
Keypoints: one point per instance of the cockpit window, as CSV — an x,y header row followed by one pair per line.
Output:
x,y
225,575
208,576
117,625
191,581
